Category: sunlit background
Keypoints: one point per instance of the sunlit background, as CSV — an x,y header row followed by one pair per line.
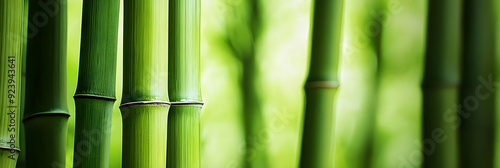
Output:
x,y
282,64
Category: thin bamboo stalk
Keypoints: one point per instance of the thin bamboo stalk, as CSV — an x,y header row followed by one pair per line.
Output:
x,y
476,93
145,102
184,117
95,94
46,114
11,45
244,31
322,83
440,84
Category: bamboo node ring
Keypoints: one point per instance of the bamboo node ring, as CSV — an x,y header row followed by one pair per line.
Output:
x,y
136,103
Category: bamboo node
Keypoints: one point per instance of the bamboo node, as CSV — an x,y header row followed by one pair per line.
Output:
x,y
137,103
321,84
90,96
6,148
188,103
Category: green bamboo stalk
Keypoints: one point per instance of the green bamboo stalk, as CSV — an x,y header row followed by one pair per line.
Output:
x,y
95,94
46,114
322,83
145,102
21,161
440,84
11,45
374,46
478,85
184,117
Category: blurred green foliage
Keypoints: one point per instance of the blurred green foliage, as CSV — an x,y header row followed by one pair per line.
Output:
x,y
281,62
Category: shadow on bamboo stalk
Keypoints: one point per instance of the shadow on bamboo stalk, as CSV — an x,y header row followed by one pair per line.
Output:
x,y
95,94
11,55
321,85
145,102
46,114
476,92
183,147
440,84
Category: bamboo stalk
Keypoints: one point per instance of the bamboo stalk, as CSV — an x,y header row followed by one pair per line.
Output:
x,y
322,83
440,84
11,45
478,101
46,114
145,100
95,94
244,31
21,161
184,84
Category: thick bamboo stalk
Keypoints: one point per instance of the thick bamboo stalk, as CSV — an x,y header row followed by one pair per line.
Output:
x,y
440,84
11,45
184,84
321,84
478,85
95,94
46,114
145,100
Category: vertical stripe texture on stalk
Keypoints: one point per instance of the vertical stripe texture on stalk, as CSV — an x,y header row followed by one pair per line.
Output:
x,y
11,45
145,102
21,161
95,93
440,84
321,84
184,117
46,114
477,98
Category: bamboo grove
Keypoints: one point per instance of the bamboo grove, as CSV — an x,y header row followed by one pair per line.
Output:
x,y
161,98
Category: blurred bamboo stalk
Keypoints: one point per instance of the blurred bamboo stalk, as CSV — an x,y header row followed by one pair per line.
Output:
x,y
11,54
183,146
440,84
477,110
145,101
95,93
322,84
244,31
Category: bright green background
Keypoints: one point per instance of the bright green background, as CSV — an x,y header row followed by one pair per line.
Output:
x,y
283,58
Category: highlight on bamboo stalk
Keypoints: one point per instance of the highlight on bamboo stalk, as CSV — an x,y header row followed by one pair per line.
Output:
x,y
244,29
46,116
145,101
321,85
11,50
477,113
440,84
95,93
183,146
